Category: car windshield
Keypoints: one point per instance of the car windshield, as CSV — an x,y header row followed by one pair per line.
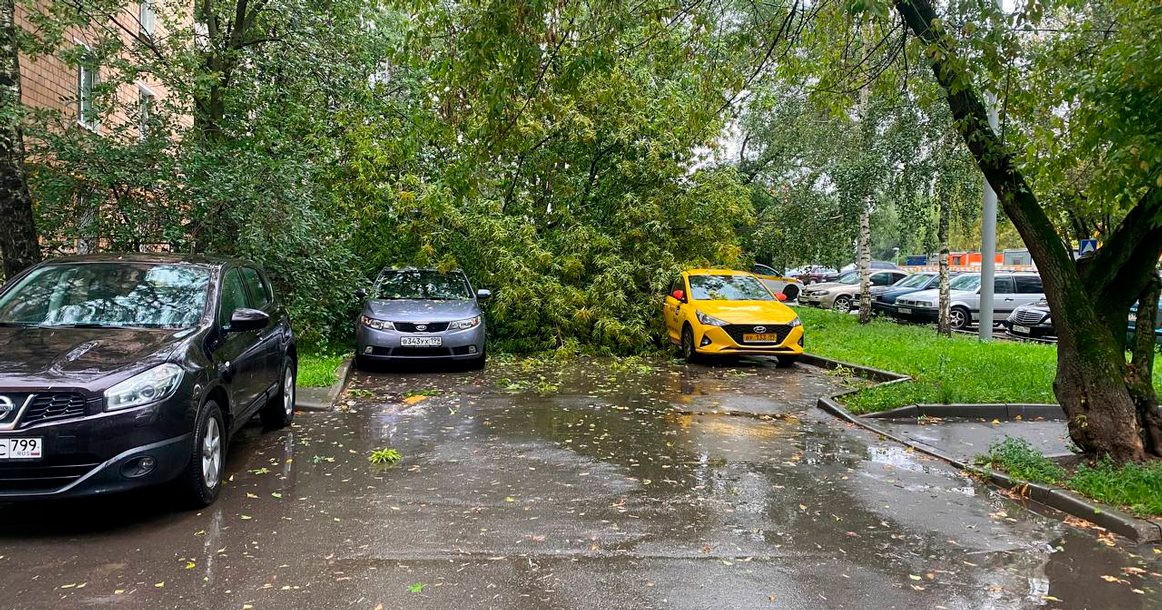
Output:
x,y
914,281
113,295
965,282
849,278
422,284
728,288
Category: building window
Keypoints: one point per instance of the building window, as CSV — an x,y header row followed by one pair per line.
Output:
x,y
147,17
87,79
145,100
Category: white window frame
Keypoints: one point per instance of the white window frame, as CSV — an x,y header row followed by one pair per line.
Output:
x,y
84,67
147,17
144,92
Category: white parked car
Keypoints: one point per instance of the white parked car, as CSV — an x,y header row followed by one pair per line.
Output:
x,y
1010,291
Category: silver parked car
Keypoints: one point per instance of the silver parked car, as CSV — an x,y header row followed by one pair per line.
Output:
x,y
416,314
1010,291
843,294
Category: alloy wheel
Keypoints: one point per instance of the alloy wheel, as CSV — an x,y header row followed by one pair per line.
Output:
x,y
211,453
288,391
687,343
956,317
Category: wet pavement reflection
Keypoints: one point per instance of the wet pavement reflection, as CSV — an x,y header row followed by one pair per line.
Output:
x,y
587,484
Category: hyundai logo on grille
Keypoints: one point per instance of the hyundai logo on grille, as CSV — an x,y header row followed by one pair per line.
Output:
x,y
6,406
421,327
760,329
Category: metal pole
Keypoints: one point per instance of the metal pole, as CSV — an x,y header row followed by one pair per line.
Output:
x,y
988,243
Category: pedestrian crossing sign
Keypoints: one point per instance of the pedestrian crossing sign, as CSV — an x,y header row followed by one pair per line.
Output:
x,y
1087,246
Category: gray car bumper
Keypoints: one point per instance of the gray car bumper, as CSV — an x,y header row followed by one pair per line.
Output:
x,y
384,344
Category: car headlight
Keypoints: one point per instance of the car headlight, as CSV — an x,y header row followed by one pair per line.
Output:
x,y
796,322
374,324
158,383
708,320
924,303
464,324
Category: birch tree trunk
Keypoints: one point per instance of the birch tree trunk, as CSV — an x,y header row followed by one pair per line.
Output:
x,y
865,209
18,243
943,325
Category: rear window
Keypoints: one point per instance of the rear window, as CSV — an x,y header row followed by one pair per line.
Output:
x,y
259,290
1029,284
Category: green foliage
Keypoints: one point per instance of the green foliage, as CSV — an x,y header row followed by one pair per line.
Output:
x,y
317,370
1018,458
1137,487
385,457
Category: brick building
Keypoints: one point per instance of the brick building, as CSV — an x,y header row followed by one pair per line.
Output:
x,y
56,83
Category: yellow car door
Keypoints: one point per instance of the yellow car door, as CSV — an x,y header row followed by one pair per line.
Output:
x,y
672,308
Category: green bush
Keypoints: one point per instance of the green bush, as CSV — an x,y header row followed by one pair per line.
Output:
x,y
1018,458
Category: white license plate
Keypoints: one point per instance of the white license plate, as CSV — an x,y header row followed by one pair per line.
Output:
x,y
1024,330
905,310
21,448
421,341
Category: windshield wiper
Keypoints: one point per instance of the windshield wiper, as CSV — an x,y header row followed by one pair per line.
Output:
x,y
89,325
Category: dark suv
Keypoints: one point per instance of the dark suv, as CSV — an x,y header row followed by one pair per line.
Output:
x,y
121,371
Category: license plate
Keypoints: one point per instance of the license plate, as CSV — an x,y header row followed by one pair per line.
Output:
x,y
21,448
1024,330
421,341
763,338
905,310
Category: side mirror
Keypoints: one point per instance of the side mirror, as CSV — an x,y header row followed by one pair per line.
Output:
x,y
780,296
361,293
679,295
483,295
244,319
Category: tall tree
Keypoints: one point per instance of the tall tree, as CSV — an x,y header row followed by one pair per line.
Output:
x,y
1111,412
18,239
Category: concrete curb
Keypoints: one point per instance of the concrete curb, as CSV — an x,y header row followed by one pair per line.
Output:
x,y
343,374
1137,530
984,411
314,399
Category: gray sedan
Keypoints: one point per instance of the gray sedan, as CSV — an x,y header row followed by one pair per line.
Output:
x,y
418,314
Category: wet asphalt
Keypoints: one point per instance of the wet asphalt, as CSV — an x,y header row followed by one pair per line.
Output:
x,y
591,484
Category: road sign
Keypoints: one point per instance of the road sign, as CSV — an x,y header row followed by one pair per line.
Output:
x,y
1087,246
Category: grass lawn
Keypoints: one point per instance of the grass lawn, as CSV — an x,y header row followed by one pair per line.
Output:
x,y
317,370
956,369
1136,487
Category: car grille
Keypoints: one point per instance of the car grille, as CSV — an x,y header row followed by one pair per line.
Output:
x,y
736,331
420,352
1028,317
51,406
431,327
51,473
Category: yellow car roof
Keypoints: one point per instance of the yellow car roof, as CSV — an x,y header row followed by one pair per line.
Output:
x,y
717,272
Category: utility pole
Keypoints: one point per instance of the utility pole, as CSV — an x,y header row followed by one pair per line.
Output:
x,y
988,243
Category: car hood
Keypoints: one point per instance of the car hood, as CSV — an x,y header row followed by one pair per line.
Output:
x,y
416,310
1036,307
38,356
747,312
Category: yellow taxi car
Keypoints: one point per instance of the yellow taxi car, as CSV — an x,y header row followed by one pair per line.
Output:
x,y
726,312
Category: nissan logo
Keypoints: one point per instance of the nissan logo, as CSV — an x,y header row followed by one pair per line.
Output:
x,y
760,329
6,406
421,327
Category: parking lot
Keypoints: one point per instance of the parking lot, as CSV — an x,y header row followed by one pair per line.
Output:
x,y
586,484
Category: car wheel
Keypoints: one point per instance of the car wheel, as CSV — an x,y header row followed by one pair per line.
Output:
x,y
688,352
787,361
792,291
842,303
958,318
362,363
280,411
201,481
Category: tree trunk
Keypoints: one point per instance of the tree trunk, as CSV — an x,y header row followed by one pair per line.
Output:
x,y
944,324
1093,382
18,242
864,264
88,225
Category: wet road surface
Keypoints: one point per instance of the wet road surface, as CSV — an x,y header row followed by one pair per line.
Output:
x,y
594,484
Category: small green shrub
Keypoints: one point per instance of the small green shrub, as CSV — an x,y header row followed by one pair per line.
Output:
x,y
385,457
1136,486
1018,458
